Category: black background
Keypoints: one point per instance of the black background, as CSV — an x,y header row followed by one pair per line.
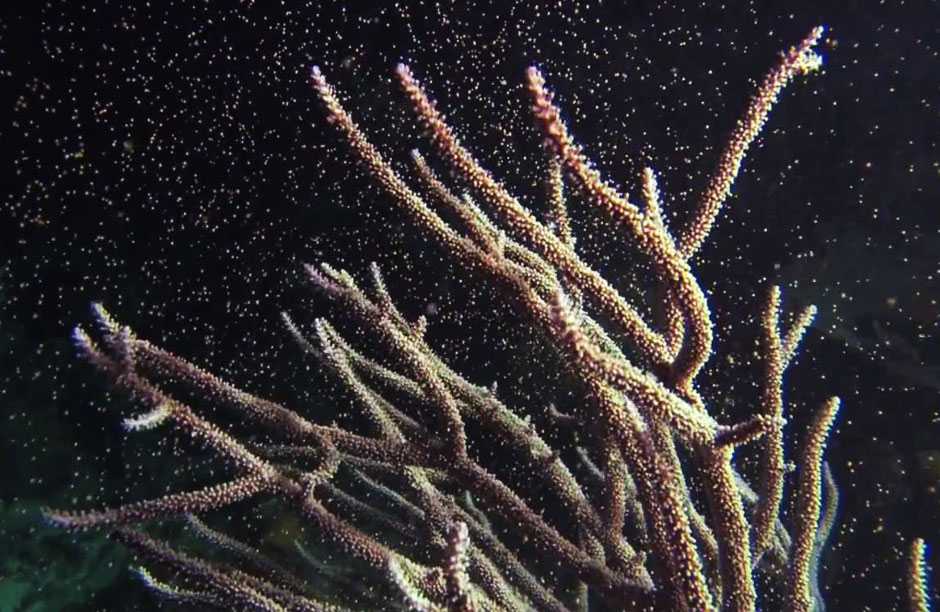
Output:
x,y
170,160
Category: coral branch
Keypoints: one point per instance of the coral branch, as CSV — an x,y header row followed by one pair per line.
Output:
x,y
444,495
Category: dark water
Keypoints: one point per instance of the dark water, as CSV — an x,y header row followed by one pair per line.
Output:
x,y
170,160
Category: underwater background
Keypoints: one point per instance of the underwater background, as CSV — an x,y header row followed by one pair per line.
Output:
x,y
170,160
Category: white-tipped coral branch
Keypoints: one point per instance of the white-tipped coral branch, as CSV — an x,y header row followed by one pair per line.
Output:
x,y
634,502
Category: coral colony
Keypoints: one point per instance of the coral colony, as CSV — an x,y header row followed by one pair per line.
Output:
x,y
656,517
